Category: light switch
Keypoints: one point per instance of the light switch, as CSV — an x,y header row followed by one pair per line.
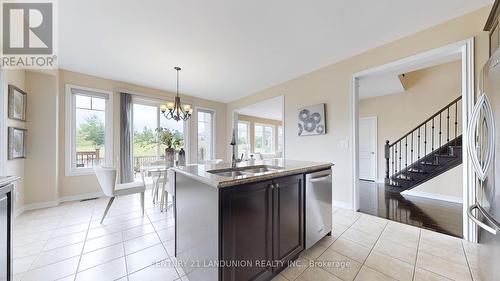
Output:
x,y
344,144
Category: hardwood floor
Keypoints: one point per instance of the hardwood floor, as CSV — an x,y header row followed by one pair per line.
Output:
x,y
436,215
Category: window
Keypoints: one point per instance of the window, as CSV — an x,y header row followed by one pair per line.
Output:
x,y
243,138
264,138
147,117
89,129
280,138
205,147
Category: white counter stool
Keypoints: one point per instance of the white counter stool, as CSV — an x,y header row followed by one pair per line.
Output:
x,y
107,180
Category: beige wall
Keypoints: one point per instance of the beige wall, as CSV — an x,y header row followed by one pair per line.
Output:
x,y
77,185
41,162
252,120
428,90
332,85
15,167
447,186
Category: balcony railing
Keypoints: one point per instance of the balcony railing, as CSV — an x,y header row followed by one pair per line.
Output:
x,y
88,159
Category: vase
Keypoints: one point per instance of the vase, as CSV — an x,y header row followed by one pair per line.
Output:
x,y
182,157
169,157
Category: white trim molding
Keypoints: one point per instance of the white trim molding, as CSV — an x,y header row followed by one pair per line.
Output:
x,y
463,49
54,203
214,130
436,196
70,130
342,205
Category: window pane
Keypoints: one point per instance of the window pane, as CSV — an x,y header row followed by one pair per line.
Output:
x,y
280,139
98,104
144,126
268,139
264,139
205,136
83,102
177,128
90,133
258,138
243,138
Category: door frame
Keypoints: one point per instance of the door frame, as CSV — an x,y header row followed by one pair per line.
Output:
x,y
234,124
374,118
464,49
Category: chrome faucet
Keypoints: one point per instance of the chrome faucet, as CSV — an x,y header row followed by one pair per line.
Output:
x,y
233,144
234,160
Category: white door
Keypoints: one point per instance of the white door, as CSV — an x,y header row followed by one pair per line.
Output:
x,y
368,148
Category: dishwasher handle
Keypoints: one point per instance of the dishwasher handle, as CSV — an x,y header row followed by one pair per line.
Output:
x,y
321,178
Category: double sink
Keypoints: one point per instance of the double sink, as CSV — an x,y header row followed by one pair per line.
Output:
x,y
245,171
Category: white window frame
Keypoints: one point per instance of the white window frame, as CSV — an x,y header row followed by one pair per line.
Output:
x,y
277,141
248,136
70,131
273,143
137,99
214,125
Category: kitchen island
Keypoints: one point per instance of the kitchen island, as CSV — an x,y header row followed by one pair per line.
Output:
x,y
241,223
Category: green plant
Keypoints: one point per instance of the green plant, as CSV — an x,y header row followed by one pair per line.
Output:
x,y
92,131
169,138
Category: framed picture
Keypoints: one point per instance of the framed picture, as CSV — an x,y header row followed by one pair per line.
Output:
x,y
17,103
17,143
312,120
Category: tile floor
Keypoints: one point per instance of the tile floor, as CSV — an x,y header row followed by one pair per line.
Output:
x,y
68,243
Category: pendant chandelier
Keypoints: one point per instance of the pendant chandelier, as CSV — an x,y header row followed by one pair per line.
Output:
x,y
175,110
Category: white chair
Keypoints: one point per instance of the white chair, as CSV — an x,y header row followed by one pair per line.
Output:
x,y
107,180
167,187
156,176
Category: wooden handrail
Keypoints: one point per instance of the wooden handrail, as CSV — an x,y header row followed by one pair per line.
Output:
x,y
427,120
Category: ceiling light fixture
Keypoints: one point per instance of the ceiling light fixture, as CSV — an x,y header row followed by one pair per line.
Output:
x,y
175,110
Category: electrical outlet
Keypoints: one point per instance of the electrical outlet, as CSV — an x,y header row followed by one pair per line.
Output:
x,y
17,194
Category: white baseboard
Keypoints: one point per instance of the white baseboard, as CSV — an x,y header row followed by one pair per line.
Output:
x,y
433,196
79,197
41,205
18,211
342,204
48,204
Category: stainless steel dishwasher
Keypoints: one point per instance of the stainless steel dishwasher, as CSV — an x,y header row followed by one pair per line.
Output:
x,y
318,206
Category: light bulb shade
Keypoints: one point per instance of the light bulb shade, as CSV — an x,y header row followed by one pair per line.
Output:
x,y
163,107
170,105
186,108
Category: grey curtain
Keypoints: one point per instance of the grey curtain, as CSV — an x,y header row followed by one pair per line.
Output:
x,y
126,160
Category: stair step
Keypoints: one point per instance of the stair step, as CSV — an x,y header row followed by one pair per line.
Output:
x,y
445,155
416,171
429,163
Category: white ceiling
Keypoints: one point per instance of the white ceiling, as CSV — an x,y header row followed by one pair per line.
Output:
x,y
387,82
270,109
230,49
379,85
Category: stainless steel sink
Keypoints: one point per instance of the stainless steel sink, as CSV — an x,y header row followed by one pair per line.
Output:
x,y
244,171
261,169
227,173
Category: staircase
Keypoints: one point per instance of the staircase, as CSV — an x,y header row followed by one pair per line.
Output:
x,y
430,149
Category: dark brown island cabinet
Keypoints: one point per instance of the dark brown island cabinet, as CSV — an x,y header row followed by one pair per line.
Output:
x,y
247,231
262,223
6,217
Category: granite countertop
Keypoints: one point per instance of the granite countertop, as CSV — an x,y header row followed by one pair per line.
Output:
x,y
284,168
